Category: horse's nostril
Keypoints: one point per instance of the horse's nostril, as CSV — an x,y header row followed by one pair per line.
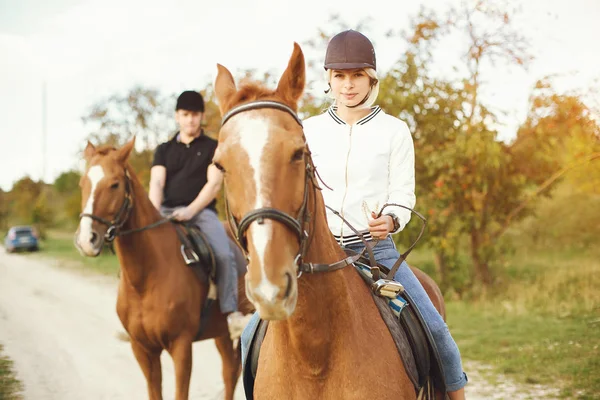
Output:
x,y
288,290
94,238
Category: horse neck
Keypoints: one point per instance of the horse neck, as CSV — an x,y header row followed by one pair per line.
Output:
x,y
325,300
138,252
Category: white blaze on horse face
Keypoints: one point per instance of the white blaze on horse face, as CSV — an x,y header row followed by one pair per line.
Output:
x,y
253,137
95,174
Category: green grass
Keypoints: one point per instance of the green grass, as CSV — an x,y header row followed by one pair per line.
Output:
x,y
540,323
59,246
10,387
530,348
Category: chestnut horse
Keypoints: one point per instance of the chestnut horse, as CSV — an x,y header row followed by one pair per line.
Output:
x,y
160,298
328,339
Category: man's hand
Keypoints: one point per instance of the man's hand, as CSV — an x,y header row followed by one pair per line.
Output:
x,y
183,214
380,227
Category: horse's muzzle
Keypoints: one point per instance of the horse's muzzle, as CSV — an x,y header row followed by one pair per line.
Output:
x,y
90,244
274,302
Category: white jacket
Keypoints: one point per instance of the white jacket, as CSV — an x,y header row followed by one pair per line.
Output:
x,y
367,164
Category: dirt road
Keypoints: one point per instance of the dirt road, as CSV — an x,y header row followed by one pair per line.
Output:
x,y
60,327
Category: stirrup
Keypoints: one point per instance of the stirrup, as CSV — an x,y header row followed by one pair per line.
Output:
x,y
189,260
387,288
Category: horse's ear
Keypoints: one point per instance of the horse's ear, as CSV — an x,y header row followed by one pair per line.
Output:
x,y
224,88
89,151
124,152
291,83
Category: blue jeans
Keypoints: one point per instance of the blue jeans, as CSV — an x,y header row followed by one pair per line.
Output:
x,y
227,273
386,254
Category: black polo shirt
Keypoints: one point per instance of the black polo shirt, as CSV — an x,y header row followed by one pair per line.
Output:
x,y
186,166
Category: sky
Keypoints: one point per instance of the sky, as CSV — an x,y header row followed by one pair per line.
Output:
x,y
83,51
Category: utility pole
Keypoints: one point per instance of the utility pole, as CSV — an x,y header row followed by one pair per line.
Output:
x,y
43,131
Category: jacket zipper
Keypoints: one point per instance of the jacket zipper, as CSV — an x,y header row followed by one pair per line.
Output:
x,y
346,188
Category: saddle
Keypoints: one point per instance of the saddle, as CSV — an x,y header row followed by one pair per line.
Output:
x,y
410,333
195,248
199,255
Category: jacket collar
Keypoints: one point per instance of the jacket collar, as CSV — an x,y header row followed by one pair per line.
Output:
x,y
332,111
177,137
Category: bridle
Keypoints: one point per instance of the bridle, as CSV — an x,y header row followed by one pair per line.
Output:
x,y
300,225
121,217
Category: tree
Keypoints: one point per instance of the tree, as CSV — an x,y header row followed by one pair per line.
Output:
x,y
66,186
4,210
67,182
432,108
559,140
141,112
22,197
28,204
560,130
469,174
41,214
212,115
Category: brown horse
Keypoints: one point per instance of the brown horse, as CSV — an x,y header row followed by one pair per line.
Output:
x,y
328,340
160,298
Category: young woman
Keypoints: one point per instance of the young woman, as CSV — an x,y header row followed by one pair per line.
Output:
x,y
367,158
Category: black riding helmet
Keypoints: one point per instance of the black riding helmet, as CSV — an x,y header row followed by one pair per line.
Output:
x,y
349,50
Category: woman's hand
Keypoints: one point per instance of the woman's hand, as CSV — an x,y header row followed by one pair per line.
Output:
x,y
380,227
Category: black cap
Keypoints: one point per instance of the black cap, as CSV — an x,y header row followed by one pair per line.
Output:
x,y
190,100
349,50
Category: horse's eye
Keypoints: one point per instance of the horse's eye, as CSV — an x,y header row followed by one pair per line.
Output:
x,y
219,167
298,155
114,185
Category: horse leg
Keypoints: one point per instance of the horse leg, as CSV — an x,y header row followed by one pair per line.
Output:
x,y
232,366
181,352
150,363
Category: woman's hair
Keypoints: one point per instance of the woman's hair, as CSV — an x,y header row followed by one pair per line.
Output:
x,y
371,73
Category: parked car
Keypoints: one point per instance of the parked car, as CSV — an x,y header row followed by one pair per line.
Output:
x,y
21,238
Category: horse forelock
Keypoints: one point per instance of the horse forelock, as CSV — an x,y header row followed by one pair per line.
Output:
x,y
99,156
105,150
253,91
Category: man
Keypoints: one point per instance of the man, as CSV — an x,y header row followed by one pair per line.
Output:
x,y
184,183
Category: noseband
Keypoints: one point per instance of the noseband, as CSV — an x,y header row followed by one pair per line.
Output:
x,y
298,225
